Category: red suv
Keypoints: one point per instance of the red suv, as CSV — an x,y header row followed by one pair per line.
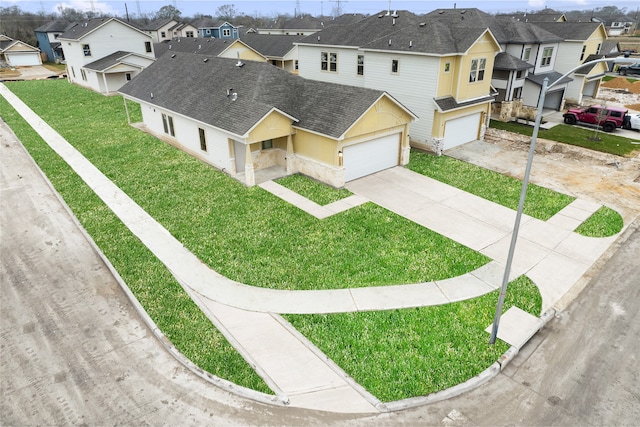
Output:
x,y
609,118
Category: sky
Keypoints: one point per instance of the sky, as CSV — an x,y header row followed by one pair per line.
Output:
x,y
271,8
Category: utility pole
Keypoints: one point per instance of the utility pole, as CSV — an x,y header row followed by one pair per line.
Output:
x,y
337,10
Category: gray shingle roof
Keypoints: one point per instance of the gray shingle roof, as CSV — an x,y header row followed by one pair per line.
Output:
x,y
157,24
571,30
108,61
449,103
187,85
205,46
270,45
374,27
80,29
54,26
545,15
552,75
506,30
506,61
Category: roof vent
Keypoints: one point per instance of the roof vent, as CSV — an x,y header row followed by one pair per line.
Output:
x,y
394,21
318,38
205,59
394,14
152,94
389,42
229,91
422,24
234,96
411,43
199,46
239,64
173,55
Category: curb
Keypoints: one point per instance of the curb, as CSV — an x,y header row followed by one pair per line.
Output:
x,y
146,319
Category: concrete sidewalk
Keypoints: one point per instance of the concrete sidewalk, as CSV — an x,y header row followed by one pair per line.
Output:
x,y
549,252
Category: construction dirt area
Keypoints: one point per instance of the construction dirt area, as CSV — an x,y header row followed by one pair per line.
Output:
x,y
604,178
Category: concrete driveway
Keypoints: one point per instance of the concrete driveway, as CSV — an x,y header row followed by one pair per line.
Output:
x,y
36,72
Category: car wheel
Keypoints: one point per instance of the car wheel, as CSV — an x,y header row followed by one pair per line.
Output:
x,y
608,127
570,120
623,72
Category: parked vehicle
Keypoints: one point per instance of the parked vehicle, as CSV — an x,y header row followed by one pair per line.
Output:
x,y
609,118
634,122
629,69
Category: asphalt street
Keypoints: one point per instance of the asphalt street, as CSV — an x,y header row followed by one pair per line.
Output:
x,y
74,351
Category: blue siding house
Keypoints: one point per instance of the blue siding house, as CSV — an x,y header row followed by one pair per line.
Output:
x,y
47,36
216,29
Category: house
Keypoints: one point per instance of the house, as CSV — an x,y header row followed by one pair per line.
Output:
x,y
97,53
528,57
278,49
245,117
168,28
303,25
47,36
208,27
441,72
580,39
18,54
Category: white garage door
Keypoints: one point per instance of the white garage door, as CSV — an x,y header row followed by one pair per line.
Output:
x,y
590,89
371,156
23,59
461,130
553,100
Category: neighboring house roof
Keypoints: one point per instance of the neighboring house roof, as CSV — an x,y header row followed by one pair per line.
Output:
x,y
270,45
7,43
571,30
111,60
188,85
364,31
506,61
81,29
587,69
449,103
552,75
505,29
59,25
157,24
205,46
210,23
609,47
544,15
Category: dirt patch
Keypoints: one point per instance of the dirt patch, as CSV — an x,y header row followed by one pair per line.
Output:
x,y
586,174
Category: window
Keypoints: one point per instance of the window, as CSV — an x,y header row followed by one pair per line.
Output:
x,y
519,74
147,46
447,67
73,71
477,70
86,49
394,66
167,124
584,49
361,65
267,144
527,54
203,139
598,48
163,34
226,32
128,76
547,53
83,74
189,33
295,64
329,61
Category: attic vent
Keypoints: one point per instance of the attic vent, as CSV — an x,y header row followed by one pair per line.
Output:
x,y
422,24
169,47
205,59
199,46
234,96
229,92
411,43
394,21
239,64
173,55
318,38
394,14
152,94
441,12
463,11
389,42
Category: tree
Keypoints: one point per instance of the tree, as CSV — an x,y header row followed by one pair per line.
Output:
x,y
167,12
227,12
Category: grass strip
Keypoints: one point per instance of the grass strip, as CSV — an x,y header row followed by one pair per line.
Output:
x,y
398,354
168,305
540,202
246,234
593,139
313,190
603,223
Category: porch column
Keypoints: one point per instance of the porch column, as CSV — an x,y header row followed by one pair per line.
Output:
x,y
289,155
250,177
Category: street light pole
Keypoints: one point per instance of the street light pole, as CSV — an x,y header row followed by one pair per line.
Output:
x,y
514,236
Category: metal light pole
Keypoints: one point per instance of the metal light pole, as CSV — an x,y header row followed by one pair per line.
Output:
x,y
534,137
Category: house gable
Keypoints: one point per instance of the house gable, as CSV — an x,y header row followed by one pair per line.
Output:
x,y
240,50
383,115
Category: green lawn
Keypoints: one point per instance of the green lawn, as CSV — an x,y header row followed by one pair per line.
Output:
x,y
574,135
313,190
254,237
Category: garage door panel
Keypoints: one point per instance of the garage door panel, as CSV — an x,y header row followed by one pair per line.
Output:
x,y
461,130
371,156
23,59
